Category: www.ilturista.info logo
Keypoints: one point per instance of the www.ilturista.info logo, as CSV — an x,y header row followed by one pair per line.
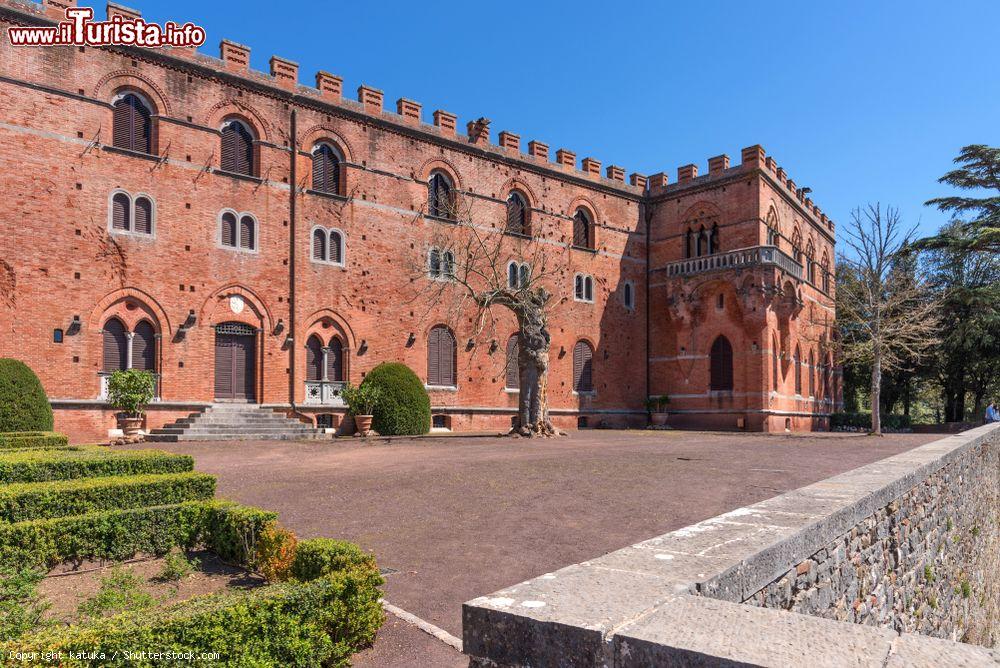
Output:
x,y
79,29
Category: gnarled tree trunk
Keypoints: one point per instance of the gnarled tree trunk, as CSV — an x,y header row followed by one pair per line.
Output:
x,y
533,342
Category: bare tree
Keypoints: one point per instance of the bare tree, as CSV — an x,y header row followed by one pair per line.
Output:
x,y
479,269
886,314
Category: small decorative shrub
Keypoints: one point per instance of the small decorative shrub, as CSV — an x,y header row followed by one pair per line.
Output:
x,y
656,404
403,405
131,390
121,591
316,557
87,462
361,399
23,404
275,552
21,609
33,440
177,566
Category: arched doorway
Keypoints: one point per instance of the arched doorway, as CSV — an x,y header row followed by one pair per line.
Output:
x,y
235,362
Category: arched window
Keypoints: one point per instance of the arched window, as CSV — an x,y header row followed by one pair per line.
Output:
x,y
583,228
335,360
512,275
583,367
227,234
713,240
132,126
797,246
773,236
143,215
628,295
434,263
825,270
775,365
336,247
583,288
144,347
811,370
440,200
517,214
248,233
121,212
811,263
326,169
702,243
319,244
828,378
689,243
721,365
441,354
115,346
798,370
314,358
513,375
237,148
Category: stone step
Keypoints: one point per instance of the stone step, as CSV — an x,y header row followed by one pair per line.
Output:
x,y
250,419
173,438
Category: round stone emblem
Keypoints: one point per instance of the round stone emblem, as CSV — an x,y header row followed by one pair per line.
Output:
x,y
236,304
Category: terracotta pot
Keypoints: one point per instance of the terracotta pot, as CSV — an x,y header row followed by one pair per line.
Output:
x,y
130,425
363,424
659,419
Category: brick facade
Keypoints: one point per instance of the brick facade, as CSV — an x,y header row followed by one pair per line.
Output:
x,y
63,266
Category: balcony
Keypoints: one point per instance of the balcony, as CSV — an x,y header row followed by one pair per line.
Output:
x,y
324,392
737,259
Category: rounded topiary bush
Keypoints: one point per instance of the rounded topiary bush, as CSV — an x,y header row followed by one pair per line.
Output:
x,y
403,405
23,404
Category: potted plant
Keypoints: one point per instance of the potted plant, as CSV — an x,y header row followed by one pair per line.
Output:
x,y
657,409
361,400
130,391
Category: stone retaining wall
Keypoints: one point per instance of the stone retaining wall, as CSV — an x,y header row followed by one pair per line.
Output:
x,y
907,544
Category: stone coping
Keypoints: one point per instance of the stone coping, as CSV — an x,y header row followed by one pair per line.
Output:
x,y
677,597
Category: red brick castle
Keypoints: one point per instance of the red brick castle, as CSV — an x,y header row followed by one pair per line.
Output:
x,y
245,237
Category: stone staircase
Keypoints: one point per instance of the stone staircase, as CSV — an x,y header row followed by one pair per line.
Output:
x,y
234,422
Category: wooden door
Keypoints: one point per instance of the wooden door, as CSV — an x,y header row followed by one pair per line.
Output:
x,y
235,362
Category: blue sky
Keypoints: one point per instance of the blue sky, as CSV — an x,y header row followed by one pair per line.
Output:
x,y
861,101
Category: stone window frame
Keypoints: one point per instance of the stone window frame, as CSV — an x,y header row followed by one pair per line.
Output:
x,y
441,274
239,217
522,277
131,205
328,232
583,281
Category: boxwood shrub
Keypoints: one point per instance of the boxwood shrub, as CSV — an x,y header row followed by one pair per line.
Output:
x,y
23,404
316,557
403,405
58,498
32,440
87,462
863,422
226,528
318,623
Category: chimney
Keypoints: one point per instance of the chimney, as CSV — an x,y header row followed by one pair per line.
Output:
x,y
510,140
122,11
592,166
753,156
371,98
57,8
445,121
659,180
236,56
687,172
329,85
285,72
718,164
538,150
637,180
479,131
616,173
409,110
567,158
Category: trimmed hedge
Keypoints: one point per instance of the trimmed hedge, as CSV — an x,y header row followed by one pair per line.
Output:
x,y
224,527
863,421
30,440
23,404
21,502
316,557
319,623
87,462
403,406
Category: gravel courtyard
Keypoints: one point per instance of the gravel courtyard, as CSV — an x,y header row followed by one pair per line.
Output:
x,y
456,517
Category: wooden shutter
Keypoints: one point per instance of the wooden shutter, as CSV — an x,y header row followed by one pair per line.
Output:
x,y
513,370
439,196
122,124
141,127
115,345
314,358
319,245
229,229
335,360
144,347
336,243
581,229
143,215
798,370
247,233
326,170
721,365
515,214
237,149
121,212
812,375
447,356
223,366
433,357
583,361
319,169
512,275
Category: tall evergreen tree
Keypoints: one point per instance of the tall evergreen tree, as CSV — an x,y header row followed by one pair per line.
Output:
x,y
979,229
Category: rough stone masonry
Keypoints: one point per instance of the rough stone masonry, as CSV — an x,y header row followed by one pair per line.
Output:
x,y
905,548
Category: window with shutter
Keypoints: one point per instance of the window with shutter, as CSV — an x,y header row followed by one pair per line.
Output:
x,y
228,232
247,233
517,212
441,354
583,362
513,370
335,360
798,370
132,124
523,276
336,247
314,358
628,296
326,170
434,263
144,347
588,288
115,346
439,196
512,275
582,229
143,215
237,148
121,212
448,265
812,375
775,369
721,365
319,245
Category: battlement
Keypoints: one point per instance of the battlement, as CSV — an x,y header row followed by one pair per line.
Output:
x,y
752,158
